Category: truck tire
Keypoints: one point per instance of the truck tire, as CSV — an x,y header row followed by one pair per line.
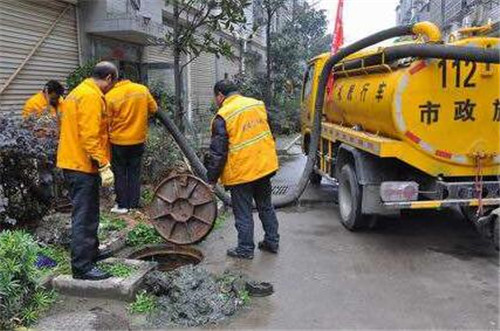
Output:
x,y
469,213
496,232
350,197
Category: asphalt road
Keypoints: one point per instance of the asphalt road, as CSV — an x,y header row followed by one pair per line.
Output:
x,y
429,270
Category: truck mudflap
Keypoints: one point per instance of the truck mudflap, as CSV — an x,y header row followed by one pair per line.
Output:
x,y
435,204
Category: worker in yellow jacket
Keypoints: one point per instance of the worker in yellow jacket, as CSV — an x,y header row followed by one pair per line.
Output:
x,y
129,107
47,101
243,155
83,154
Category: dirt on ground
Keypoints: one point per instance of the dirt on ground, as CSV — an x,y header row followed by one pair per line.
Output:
x,y
54,229
191,296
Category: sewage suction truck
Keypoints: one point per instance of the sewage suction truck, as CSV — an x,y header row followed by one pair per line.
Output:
x,y
409,126
403,127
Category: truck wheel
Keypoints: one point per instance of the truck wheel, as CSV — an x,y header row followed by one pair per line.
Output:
x,y
315,178
496,232
470,213
350,199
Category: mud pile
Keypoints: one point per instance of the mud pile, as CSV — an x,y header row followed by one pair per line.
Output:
x,y
191,296
54,229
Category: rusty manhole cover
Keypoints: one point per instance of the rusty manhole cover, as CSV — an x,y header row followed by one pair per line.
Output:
x,y
183,210
168,257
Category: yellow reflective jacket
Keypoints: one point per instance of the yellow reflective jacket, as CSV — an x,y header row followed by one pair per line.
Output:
x,y
129,106
37,105
84,130
251,151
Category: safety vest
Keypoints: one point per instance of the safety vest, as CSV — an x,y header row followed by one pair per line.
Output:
x,y
252,151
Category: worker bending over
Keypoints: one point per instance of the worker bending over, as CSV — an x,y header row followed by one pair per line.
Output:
x,y
243,154
83,154
129,107
45,102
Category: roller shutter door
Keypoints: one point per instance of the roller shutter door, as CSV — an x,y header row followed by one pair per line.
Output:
x,y
203,79
159,63
228,67
22,24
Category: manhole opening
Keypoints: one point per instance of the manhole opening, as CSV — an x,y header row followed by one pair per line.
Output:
x,y
280,189
169,257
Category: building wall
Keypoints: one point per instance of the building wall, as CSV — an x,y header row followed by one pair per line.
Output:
x,y
449,15
22,24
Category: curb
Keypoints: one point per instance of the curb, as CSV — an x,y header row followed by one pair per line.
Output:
x,y
112,288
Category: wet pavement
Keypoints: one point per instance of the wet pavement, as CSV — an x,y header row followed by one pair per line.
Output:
x,y
427,270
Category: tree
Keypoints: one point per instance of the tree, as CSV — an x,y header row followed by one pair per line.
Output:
x,y
300,40
270,8
195,24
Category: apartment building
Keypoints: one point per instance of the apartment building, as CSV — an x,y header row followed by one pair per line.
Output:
x,y
47,39
449,15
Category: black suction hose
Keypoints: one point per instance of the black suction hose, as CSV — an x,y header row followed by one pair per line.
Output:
x,y
474,54
422,50
196,164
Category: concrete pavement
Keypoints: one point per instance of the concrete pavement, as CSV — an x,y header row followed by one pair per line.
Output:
x,y
428,270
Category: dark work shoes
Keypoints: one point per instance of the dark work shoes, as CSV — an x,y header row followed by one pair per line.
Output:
x,y
265,246
93,274
233,252
103,254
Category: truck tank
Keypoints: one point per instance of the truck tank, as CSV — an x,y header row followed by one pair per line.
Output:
x,y
446,109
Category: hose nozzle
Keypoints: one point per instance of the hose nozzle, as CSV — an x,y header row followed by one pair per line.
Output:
x,y
428,29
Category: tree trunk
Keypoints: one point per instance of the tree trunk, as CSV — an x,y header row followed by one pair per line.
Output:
x,y
269,95
179,108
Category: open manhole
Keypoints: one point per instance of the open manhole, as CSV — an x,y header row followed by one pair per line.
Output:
x,y
168,257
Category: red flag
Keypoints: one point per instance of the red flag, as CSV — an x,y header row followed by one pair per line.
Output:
x,y
337,40
338,32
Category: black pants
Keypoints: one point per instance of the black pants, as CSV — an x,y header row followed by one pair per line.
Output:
x,y
84,193
126,165
242,197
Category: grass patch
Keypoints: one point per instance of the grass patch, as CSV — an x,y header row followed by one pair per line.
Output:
x,y
117,269
143,234
221,220
61,256
147,196
144,303
109,223
244,296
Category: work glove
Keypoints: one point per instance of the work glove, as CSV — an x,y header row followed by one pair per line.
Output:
x,y
107,176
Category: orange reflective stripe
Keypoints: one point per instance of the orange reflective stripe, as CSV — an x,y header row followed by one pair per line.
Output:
x,y
249,142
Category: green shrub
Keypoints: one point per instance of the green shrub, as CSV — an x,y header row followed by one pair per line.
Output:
x,y
22,300
143,234
118,269
161,155
27,169
80,74
144,303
